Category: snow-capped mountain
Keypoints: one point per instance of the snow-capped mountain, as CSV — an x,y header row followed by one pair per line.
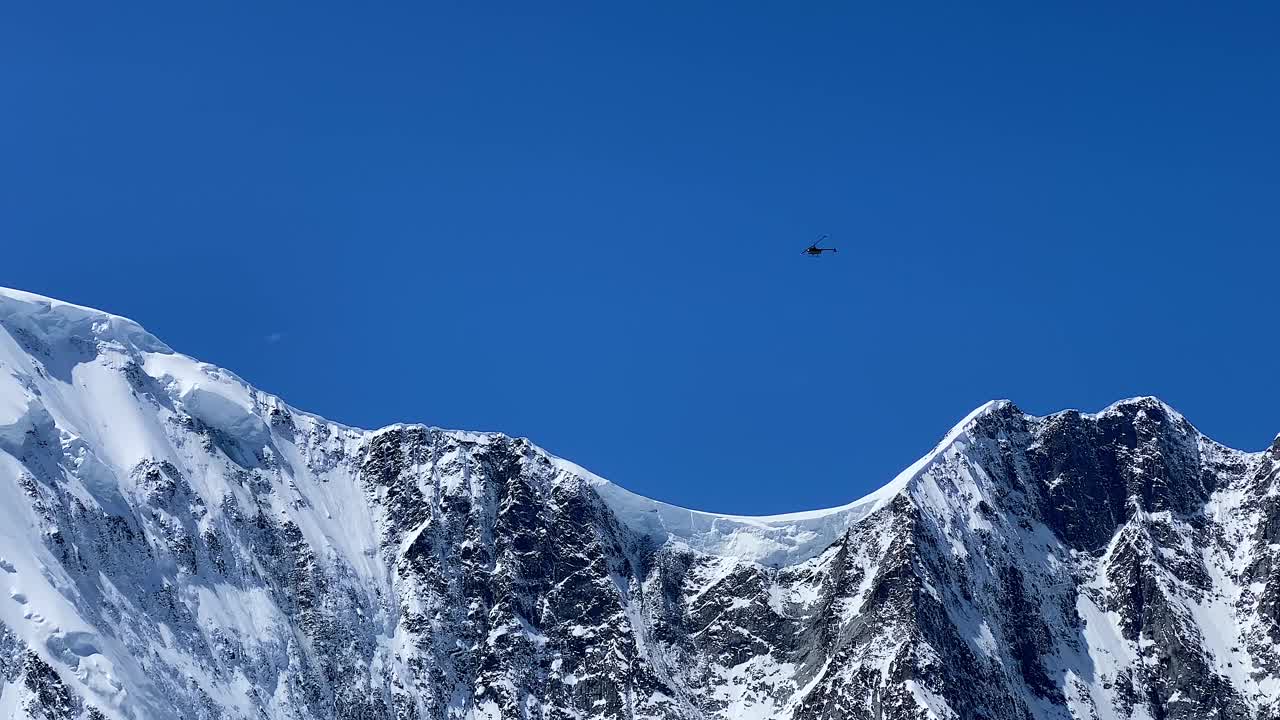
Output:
x,y
177,544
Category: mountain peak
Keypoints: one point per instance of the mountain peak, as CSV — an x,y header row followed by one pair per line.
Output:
x,y
1143,402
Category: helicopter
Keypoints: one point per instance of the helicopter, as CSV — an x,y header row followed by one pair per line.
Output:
x,y
815,251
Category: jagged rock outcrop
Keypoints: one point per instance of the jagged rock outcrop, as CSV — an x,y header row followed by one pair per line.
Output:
x,y
177,544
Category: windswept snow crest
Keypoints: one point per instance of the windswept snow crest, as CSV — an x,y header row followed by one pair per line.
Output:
x,y
767,539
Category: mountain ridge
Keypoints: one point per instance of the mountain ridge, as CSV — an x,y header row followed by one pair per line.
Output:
x,y
177,543
53,305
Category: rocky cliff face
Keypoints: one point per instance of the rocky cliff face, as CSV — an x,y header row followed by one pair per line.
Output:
x,y
176,544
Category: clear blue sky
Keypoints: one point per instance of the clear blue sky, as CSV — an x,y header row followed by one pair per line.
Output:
x,y
582,222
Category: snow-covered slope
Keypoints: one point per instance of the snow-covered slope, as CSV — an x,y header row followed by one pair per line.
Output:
x,y
177,544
